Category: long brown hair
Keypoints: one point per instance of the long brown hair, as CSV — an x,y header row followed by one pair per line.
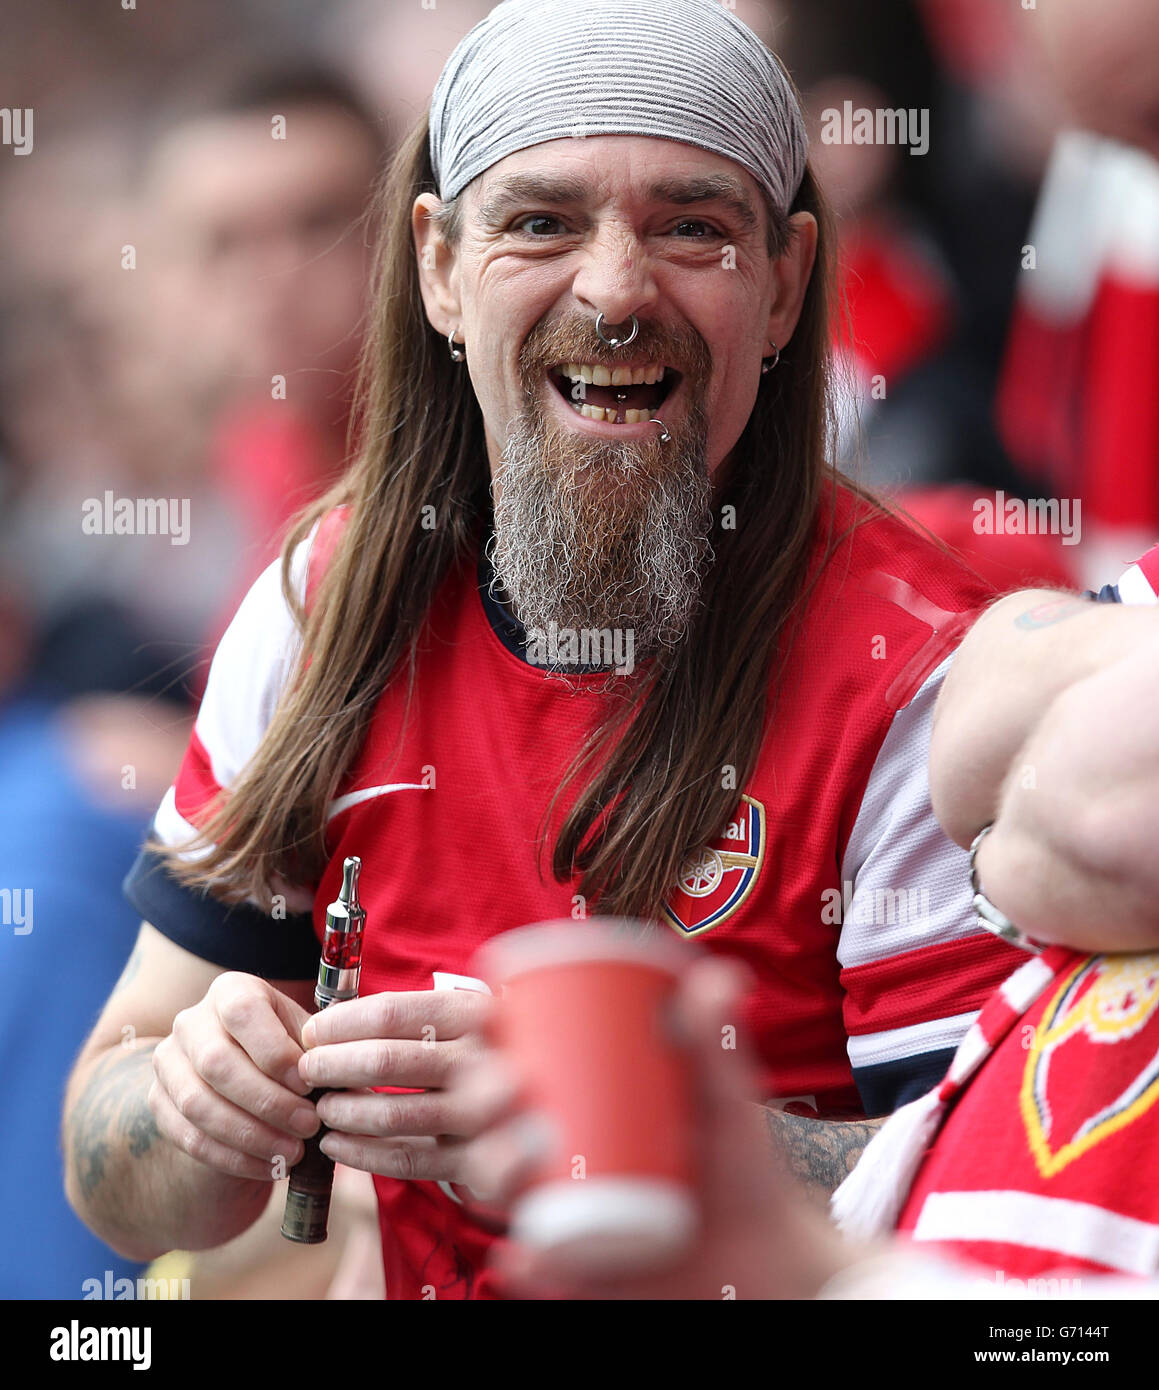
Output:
x,y
658,781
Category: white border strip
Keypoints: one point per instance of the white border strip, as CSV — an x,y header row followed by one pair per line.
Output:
x,y
894,1044
1133,587
1077,1229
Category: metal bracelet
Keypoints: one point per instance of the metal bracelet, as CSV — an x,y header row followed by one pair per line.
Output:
x,y
990,917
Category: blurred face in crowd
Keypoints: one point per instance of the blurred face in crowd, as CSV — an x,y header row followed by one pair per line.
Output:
x,y
854,177
1105,59
264,270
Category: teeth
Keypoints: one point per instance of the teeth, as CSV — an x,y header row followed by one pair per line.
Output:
x,y
597,412
599,375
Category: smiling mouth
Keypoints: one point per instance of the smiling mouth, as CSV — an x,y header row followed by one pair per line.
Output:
x,y
621,394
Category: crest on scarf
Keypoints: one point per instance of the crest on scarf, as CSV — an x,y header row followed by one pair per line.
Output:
x,y
1098,1037
716,880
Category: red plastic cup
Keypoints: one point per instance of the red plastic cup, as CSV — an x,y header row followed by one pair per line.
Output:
x,y
585,1016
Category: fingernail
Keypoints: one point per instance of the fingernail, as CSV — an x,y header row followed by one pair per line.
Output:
x,y
304,1120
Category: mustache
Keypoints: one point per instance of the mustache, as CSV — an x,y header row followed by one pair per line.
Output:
x,y
574,340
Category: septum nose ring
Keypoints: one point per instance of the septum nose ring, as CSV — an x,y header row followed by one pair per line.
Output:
x,y
615,341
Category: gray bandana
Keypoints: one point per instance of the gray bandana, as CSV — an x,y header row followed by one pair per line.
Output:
x,y
687,70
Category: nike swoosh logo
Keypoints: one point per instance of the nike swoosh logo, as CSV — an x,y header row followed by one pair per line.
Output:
x,y
343,803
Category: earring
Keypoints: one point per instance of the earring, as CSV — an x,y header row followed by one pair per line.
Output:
x,y
770,362
457,353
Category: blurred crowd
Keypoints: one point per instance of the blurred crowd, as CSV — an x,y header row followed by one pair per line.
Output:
x,y
181,310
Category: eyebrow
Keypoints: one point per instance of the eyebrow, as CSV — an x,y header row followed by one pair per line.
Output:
x,y
559,189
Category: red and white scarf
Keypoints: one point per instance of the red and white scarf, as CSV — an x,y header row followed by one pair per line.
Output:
x,y
870,1200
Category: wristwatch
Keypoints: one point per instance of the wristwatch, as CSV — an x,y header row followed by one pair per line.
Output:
x,y
989,916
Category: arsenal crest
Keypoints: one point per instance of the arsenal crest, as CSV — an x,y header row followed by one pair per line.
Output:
x,y
1093,1065
714,882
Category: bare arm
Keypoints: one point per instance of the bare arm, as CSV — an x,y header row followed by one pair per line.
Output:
x,y
1072,856
819,1154
1044,730
133,1186
1020,655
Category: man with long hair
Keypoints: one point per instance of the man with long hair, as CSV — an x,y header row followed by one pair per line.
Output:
x,y
591,625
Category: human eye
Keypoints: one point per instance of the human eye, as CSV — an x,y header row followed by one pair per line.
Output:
x,y
536,217
707,229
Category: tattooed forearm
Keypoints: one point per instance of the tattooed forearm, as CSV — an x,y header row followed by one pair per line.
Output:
x,y
111,1111
819,1153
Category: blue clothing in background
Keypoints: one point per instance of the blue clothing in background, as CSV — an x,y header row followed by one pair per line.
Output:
x,y
72,855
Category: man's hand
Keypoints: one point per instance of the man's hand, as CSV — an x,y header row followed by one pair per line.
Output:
x,y
170,1139
417,1039
759,1238
227,1089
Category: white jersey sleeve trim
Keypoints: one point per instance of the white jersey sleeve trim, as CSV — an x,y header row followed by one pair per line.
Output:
x,y
905,883
1134,588
250,669
896,1044
171,827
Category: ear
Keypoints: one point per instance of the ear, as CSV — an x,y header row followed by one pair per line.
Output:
x,y
791,275
437,267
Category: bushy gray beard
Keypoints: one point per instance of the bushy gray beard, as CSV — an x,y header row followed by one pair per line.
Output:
x,y
599,534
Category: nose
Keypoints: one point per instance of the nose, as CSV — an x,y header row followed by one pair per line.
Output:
x,y
615,279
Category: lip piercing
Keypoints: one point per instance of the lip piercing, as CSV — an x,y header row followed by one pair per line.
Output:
x,y
664,435
614,341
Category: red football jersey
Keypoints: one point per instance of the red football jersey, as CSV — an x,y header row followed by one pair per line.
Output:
x,y
831,879
446,821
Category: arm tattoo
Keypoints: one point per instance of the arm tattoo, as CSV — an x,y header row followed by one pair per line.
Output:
x,y
1053,611
819,1153
113,1108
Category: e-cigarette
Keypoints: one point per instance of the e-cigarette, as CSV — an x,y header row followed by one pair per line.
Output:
x,y
312,1177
